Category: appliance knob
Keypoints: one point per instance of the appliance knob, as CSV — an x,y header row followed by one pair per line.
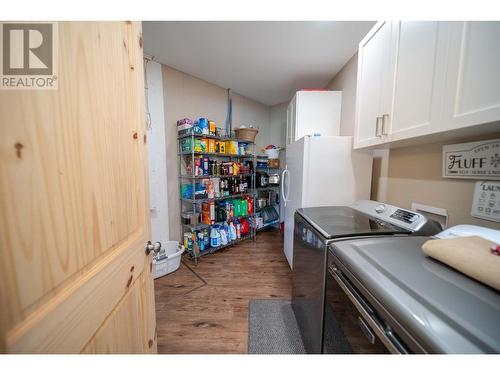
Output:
x,y
380,208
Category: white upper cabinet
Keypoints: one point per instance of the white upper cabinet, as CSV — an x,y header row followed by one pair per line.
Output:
x,y
421,78
313,112
473,75
374,76
418,78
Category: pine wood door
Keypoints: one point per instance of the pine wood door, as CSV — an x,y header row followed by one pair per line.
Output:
x,y
74,201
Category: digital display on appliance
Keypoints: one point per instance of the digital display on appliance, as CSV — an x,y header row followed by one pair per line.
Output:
x,y
402,215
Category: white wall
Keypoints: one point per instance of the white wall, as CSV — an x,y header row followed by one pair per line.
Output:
x,y
188,96
345,81
248,112
157,161
277,124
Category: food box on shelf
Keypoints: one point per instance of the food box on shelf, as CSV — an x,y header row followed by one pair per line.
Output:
x,y
185,126
222,147
199,191
273,163
200,145
216,182
186,145
208,213
232,147
186,191
262,163
202,125
212,128
184,121
243,148
211,145
212,187
198,170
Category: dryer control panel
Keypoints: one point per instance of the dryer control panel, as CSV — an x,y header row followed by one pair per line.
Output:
x,y
400,217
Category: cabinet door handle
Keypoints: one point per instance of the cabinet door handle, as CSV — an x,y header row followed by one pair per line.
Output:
x,y
385,121
378,128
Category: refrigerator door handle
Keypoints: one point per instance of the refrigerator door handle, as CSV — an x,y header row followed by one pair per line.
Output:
x,y
287,184
285,171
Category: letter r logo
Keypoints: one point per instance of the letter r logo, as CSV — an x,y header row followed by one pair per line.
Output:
x,y
27,49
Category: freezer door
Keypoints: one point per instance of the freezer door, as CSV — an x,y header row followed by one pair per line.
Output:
x,y
309,269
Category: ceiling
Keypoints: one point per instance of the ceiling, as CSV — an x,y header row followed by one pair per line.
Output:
x,y
264,61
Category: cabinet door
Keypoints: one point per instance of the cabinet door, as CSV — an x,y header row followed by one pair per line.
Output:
x,y
373,65
473,77
419,77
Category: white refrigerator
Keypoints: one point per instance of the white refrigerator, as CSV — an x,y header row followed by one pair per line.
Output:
x,y
322,171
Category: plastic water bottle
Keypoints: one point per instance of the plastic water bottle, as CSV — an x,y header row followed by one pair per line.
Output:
x,y
201,242
223,237
215,237
232,231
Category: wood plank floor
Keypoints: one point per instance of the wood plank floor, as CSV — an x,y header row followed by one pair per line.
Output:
x,y
204,308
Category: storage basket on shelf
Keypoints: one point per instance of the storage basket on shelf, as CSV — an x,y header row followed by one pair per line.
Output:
x,y
246,134
272,153
168,260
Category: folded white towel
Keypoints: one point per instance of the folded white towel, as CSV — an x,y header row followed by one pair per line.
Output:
x,y
469,255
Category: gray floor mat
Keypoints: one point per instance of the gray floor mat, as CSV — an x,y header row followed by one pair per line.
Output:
x,y
272,328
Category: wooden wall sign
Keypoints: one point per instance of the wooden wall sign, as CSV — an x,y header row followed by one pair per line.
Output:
x,y
476,160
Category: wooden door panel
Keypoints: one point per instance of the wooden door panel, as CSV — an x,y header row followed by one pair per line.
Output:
x,y
68,321
128,329
73,190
